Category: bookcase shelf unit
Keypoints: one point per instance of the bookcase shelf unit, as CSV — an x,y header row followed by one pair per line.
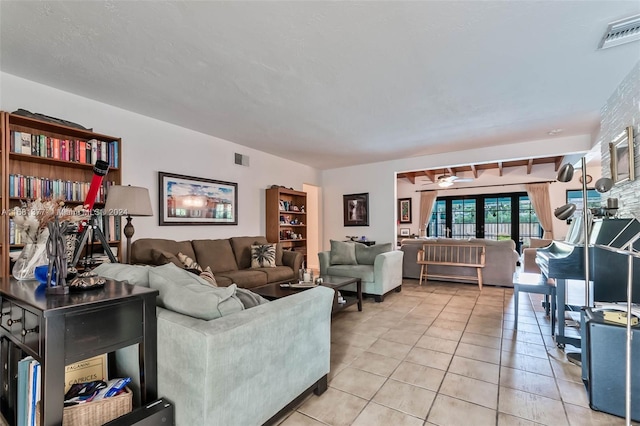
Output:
x,y
58,166
286,218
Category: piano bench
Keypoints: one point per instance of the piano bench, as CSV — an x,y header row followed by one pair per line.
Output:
x,y
528,282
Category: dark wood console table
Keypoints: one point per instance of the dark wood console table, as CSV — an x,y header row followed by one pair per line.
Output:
x,y
58,330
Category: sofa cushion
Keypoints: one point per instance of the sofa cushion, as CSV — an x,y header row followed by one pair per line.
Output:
x,y
133,274
217,254
242,249
263,256
162,257
141,249
364,272
279,254
279,273
342,253
366,255
188,294
247,278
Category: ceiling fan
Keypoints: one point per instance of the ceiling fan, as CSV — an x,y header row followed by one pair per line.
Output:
x,y
446,180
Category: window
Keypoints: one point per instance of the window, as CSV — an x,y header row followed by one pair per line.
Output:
x,y
463,218
594,199
438,222
497,218
529,225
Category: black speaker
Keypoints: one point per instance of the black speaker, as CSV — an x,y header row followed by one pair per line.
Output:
x,y
157,413
606,346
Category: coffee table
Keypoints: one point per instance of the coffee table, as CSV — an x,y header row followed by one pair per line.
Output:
x,y
274,291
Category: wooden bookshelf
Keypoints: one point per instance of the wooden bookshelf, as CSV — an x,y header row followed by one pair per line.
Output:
x,y
286,218
56,168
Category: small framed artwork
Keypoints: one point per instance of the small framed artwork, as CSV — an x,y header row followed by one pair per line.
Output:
x,y
356,209
186,200
405,232
622,156
404,210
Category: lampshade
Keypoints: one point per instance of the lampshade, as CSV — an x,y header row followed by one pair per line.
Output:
x,y
445,184
128,201
565,174
604,184
565,212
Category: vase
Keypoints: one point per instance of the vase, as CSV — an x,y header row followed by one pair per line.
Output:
x,y
32,255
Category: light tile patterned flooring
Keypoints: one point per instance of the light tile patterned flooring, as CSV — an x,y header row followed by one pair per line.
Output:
x,y
447,354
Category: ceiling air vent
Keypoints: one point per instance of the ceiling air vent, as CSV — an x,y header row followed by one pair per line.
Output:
x,y
621,32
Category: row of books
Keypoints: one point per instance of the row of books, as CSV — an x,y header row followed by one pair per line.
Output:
x,y
28,390
37,187
78,151
111,227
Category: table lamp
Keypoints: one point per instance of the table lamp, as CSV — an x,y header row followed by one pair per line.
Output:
x,y
128,201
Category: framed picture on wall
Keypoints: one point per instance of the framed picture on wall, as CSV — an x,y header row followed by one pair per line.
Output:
x,y
404,210
356,209
405,232
187,200
622,161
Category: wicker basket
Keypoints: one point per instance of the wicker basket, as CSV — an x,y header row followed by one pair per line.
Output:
x,y
96,413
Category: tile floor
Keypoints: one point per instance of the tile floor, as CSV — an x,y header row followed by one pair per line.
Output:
x,y
448,354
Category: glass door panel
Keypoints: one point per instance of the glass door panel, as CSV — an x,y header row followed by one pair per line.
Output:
x,y
463,218
497,218
438,222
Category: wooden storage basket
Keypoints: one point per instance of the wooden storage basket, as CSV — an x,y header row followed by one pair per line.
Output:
x,y
96,413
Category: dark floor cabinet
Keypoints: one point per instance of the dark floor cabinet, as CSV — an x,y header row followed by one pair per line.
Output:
x,y
604,365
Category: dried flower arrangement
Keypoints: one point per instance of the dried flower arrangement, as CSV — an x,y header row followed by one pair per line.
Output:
x,y
31,218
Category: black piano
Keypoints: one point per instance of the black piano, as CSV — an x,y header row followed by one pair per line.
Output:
x,y
564,260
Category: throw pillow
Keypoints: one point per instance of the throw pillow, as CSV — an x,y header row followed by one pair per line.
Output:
x,y
249,299
342,253
161,257
366,255
188,294
188,262
263,256
208,276
133,274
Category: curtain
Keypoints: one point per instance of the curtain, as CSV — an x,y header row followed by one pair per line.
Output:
x,y
539,196
427,198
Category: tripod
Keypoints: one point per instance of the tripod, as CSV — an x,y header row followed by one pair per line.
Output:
x,y
92,225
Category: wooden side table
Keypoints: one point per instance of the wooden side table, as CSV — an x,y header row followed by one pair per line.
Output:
x,y
58,330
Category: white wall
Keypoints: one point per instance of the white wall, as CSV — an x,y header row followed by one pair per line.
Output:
x,y
379,180
150,146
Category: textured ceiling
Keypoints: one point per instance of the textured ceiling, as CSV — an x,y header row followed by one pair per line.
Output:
x,y
331,84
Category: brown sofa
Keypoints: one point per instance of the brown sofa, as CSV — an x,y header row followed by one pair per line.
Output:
x,y
229,259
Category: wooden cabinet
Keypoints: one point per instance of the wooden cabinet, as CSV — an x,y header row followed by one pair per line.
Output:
x,y
286,220
45,160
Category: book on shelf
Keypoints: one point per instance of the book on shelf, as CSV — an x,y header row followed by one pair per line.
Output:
x,y
28,390
72,150
87,370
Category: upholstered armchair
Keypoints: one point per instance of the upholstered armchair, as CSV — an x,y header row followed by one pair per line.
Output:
x,y
379,267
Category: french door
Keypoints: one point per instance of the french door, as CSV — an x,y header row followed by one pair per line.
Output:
x,y
490,216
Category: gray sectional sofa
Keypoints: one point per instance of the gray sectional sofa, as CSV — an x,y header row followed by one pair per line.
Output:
x,y
240,369
501,260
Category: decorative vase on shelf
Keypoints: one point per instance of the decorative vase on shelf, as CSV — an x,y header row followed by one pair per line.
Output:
x,y
32,255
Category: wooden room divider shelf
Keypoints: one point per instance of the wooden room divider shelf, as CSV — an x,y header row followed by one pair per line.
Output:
x,y
280,213
77,150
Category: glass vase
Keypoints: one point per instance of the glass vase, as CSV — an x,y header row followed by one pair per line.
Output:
x,y
32,255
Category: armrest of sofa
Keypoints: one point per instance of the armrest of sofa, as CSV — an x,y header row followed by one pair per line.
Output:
x,y
292,259
325,261
387,269
213,370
